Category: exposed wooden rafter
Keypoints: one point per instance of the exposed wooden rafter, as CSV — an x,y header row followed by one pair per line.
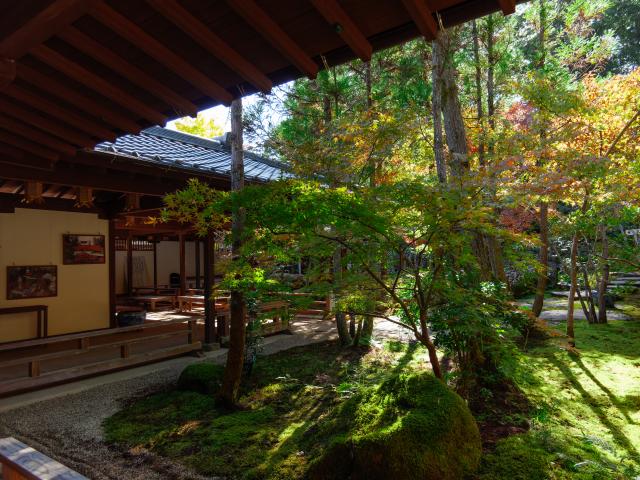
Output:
x,y
269,29
7,72
37,136
422,17
65,115
344,26
97,83
104,55
41,27
81,101
152,47
211,42
27,146
508,6
46,124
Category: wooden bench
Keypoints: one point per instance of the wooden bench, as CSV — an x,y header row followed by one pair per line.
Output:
x,y
153,300
21,462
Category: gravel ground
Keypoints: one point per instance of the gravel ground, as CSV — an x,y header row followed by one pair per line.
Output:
x,y
68,428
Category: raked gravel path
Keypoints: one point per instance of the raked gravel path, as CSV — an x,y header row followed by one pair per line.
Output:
x,y
68,426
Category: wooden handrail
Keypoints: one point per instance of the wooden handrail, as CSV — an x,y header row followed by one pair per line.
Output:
x,y
80,350
92,333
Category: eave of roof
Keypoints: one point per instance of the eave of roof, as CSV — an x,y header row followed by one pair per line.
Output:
x,y
170,149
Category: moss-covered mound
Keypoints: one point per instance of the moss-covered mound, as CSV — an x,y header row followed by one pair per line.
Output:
x,y
409,427
202,378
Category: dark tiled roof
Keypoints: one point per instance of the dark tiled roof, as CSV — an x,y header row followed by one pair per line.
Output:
x,y
172,149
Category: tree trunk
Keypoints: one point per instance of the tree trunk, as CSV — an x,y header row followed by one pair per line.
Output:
x,y
235,357
436,107
572,291
479,106
451,109
341,318
491,96
604,279
574,280
543,258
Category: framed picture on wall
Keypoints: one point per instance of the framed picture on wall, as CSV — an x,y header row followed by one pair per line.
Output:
x,y
32,281
82,249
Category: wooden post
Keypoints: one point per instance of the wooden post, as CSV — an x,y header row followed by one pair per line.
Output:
x,y
209,302
183,280
196,245
111,238
129,265
34,368
155,266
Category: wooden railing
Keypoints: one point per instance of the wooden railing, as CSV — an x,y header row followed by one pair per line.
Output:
x,y
32,353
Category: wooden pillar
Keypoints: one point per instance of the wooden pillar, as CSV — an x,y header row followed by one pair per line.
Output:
x,y
183,270
197,247
129,264
111,252
209,304
155,265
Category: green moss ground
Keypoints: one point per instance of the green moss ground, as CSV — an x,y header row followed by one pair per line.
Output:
x,y
584,410
586,407
275,436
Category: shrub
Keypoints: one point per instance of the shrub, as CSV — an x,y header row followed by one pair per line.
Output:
x,y
201,377
411,427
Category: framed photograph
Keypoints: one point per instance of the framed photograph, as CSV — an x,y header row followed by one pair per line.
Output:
x,y
32,281
82,249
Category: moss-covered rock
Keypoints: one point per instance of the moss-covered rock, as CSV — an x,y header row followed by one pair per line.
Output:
x,y
201,377
409,427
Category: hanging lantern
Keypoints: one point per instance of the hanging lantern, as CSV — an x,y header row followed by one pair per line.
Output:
x,y
84,197
33,193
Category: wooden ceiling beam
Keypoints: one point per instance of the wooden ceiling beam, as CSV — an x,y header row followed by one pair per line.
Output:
x,y
422,17
105,56
334,14
80,122
35,135
260,21
82,102
7,72
41,27
71,175
152,47
28,146
198,31
46,124
97,83
507,6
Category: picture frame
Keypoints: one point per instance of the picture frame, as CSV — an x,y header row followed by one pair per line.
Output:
x,y
83,249
32,281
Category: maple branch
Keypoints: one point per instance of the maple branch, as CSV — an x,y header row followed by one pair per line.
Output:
x,y
622,132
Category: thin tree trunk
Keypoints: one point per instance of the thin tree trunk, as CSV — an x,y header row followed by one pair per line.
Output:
x,y
604,279
436,107
574,280
238,307
491,96
592,317
341,319
543,259
479,106
572,291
